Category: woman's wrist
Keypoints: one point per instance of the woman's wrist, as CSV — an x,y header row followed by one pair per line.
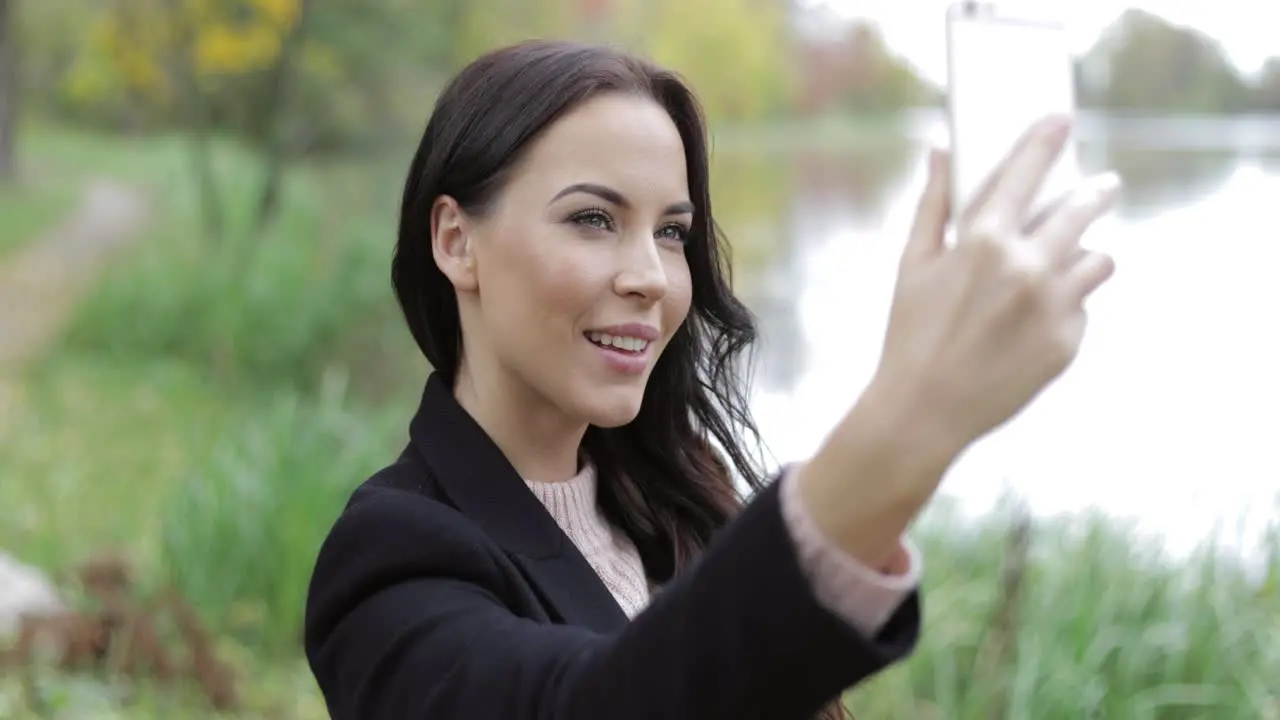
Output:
x,y
875,472
910,423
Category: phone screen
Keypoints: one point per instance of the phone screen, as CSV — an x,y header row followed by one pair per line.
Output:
x,y
1004,74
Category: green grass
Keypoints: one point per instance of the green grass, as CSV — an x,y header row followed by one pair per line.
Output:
x,y
224,498
94,449
56,164
240,534
35,202
1108,628
184,334
279,691
265,309
31,208
197,418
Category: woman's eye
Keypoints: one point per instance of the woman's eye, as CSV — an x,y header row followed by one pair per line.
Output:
x,y
600,220
675,232
594,219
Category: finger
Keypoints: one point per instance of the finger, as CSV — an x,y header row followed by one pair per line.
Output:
x,y
929,229
1060,233
983,194
1074,256
1017,181
1038,221
1089,273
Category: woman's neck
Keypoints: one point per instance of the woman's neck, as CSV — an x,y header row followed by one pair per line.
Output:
x,y
535,436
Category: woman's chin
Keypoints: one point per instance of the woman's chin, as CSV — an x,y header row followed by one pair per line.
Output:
x,y
614,408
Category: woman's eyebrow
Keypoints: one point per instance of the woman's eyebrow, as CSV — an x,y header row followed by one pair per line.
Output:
x,y
614,197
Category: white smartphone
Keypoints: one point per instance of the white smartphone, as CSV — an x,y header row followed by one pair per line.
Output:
x,y
1009,64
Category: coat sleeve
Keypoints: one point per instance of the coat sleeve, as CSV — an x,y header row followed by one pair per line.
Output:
x,y
407,618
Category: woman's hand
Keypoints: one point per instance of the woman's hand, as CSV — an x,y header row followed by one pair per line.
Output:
x,y
976,331
979,329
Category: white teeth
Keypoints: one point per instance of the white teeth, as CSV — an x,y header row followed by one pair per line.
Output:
x,y
630,344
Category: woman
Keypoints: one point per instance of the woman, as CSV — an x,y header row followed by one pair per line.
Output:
x,y
561,538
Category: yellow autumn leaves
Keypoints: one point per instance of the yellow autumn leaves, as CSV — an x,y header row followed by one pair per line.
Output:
x,y
230,47
135,46
139,55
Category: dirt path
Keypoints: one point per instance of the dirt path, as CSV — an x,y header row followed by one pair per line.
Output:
x,y
41,284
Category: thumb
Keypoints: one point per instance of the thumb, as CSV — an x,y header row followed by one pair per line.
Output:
x,y
929,230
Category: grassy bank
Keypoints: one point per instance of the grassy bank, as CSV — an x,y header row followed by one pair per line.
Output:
x,y
214,402
34,202
196,418
1099,623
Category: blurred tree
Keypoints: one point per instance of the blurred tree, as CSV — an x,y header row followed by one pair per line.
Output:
x,y
269,129
484,25
857,71
9,91
1268,87
51,33
878,80
737,54
203,65
344,74
289,77
1152,65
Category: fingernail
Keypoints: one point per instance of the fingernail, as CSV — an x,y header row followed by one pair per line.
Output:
x,y
1059,125
939,137
1106,183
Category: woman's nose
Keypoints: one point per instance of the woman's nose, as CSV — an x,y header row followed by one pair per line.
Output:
x,y
641,271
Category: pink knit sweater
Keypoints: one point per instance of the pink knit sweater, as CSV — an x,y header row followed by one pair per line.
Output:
x,y
864,597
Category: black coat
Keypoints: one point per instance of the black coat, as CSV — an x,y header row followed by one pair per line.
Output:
x,y
445,591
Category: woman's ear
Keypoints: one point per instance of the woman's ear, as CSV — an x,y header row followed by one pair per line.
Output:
x,y
451,244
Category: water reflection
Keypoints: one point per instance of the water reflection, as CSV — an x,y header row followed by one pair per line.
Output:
x,y
832,194
1156,180
1269,161
846,189
753,197
1170,412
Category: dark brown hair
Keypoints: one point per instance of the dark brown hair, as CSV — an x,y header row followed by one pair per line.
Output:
x,y
662,480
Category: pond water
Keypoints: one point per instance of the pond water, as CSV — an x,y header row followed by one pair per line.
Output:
x,y
1171,414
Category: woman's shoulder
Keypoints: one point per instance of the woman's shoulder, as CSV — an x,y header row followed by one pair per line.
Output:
x,y
398,525
400,505
397,541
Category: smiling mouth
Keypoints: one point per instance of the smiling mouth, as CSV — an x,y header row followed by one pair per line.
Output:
x,y
618,343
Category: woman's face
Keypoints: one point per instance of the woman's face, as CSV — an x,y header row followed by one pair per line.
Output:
x,y
576,279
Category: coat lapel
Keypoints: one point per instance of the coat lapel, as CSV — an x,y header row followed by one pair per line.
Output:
x,y
483,485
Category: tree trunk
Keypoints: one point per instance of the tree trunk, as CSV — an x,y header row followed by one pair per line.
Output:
x,y
275,151
206,176
8,89
195,113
